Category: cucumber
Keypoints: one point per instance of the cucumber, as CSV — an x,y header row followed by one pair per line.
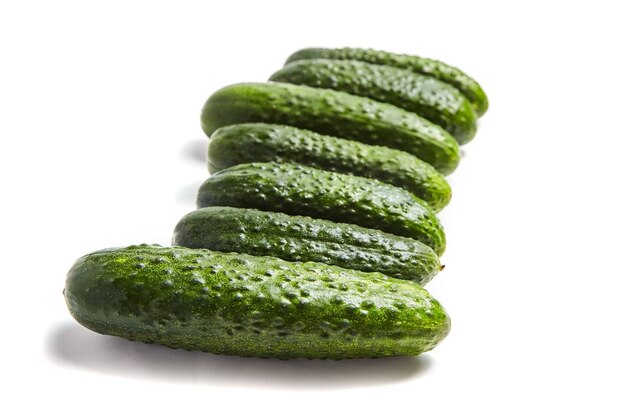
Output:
x,y
342,198
236,304
298,238
259,142
444,72
332,113
432,99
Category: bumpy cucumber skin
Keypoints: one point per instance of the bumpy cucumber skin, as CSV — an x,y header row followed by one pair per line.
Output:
x,y
342,198
303,239
236,304
332,113
451,75
260,142
427,96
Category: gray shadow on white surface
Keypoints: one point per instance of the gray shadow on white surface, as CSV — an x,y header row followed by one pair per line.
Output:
x,y
69,343
195,150
188,194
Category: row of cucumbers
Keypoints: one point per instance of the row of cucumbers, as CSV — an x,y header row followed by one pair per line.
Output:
x,y
317,228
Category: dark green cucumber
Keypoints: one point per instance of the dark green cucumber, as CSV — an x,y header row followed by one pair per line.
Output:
x,y
451,75
260,142
236,304
332,113
427,96
342,198
303,239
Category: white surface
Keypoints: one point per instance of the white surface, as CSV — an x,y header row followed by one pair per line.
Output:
x,y
101,146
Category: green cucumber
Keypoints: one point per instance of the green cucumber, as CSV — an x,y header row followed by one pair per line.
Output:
x,y
446,73
236,304
259,142
432,99
299,238
342,198
332,113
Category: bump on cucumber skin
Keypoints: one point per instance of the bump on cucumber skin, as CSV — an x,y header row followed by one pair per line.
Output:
x,y
440,70
259,142
342,198
332,113
427,96
236,304
303,239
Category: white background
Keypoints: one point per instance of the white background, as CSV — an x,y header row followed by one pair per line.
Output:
x,y
101,146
